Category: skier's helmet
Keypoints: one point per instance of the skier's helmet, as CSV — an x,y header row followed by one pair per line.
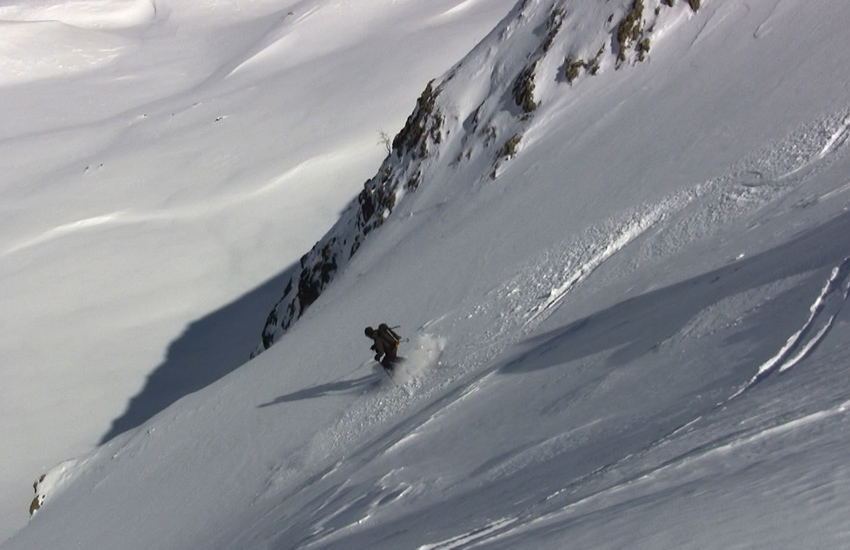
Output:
x,y
369,331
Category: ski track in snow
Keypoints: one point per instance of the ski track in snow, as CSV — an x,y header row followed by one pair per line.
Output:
x,y
440,375
525,301
377,405
823,312
634,477
837,140
514,309
466,539
620,237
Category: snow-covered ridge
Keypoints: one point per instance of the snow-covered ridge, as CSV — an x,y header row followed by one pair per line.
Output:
x,y
477,114
588,271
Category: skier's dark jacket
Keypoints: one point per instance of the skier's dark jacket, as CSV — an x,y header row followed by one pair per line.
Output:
x,y
386,341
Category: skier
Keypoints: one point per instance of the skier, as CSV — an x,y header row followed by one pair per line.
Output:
x,y
385,344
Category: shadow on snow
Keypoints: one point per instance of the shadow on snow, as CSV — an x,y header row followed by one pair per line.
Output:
x,y
638,325
208,349
217,344
345,386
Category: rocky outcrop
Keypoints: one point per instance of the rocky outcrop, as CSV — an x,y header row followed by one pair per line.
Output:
x,y
400,172
552,52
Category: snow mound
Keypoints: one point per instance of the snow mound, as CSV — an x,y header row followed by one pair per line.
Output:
x,y
44,39
88,14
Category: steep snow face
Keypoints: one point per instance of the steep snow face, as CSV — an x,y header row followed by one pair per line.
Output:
x,y
486,102
625,294
163,163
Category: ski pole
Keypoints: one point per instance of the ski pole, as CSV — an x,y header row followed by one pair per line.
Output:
x,y
386,370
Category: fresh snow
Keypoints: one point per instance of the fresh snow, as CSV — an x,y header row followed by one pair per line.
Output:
x,y
629,333
163,162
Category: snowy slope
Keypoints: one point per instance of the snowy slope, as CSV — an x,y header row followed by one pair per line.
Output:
x,y
627,325
163,163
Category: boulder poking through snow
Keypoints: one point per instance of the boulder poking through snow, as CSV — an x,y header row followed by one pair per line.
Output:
x,y
51,483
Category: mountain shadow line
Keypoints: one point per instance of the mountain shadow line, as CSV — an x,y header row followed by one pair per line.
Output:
x,y
207,350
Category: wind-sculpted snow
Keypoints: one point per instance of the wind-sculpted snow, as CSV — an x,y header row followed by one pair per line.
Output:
x,y
682,219
615,237
97,14
638,354
153,198
43,39
625,485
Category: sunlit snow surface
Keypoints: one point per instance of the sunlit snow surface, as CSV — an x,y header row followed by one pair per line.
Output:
x,y
163,162
633,336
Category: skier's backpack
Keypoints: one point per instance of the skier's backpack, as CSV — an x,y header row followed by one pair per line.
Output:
x,y
389,335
